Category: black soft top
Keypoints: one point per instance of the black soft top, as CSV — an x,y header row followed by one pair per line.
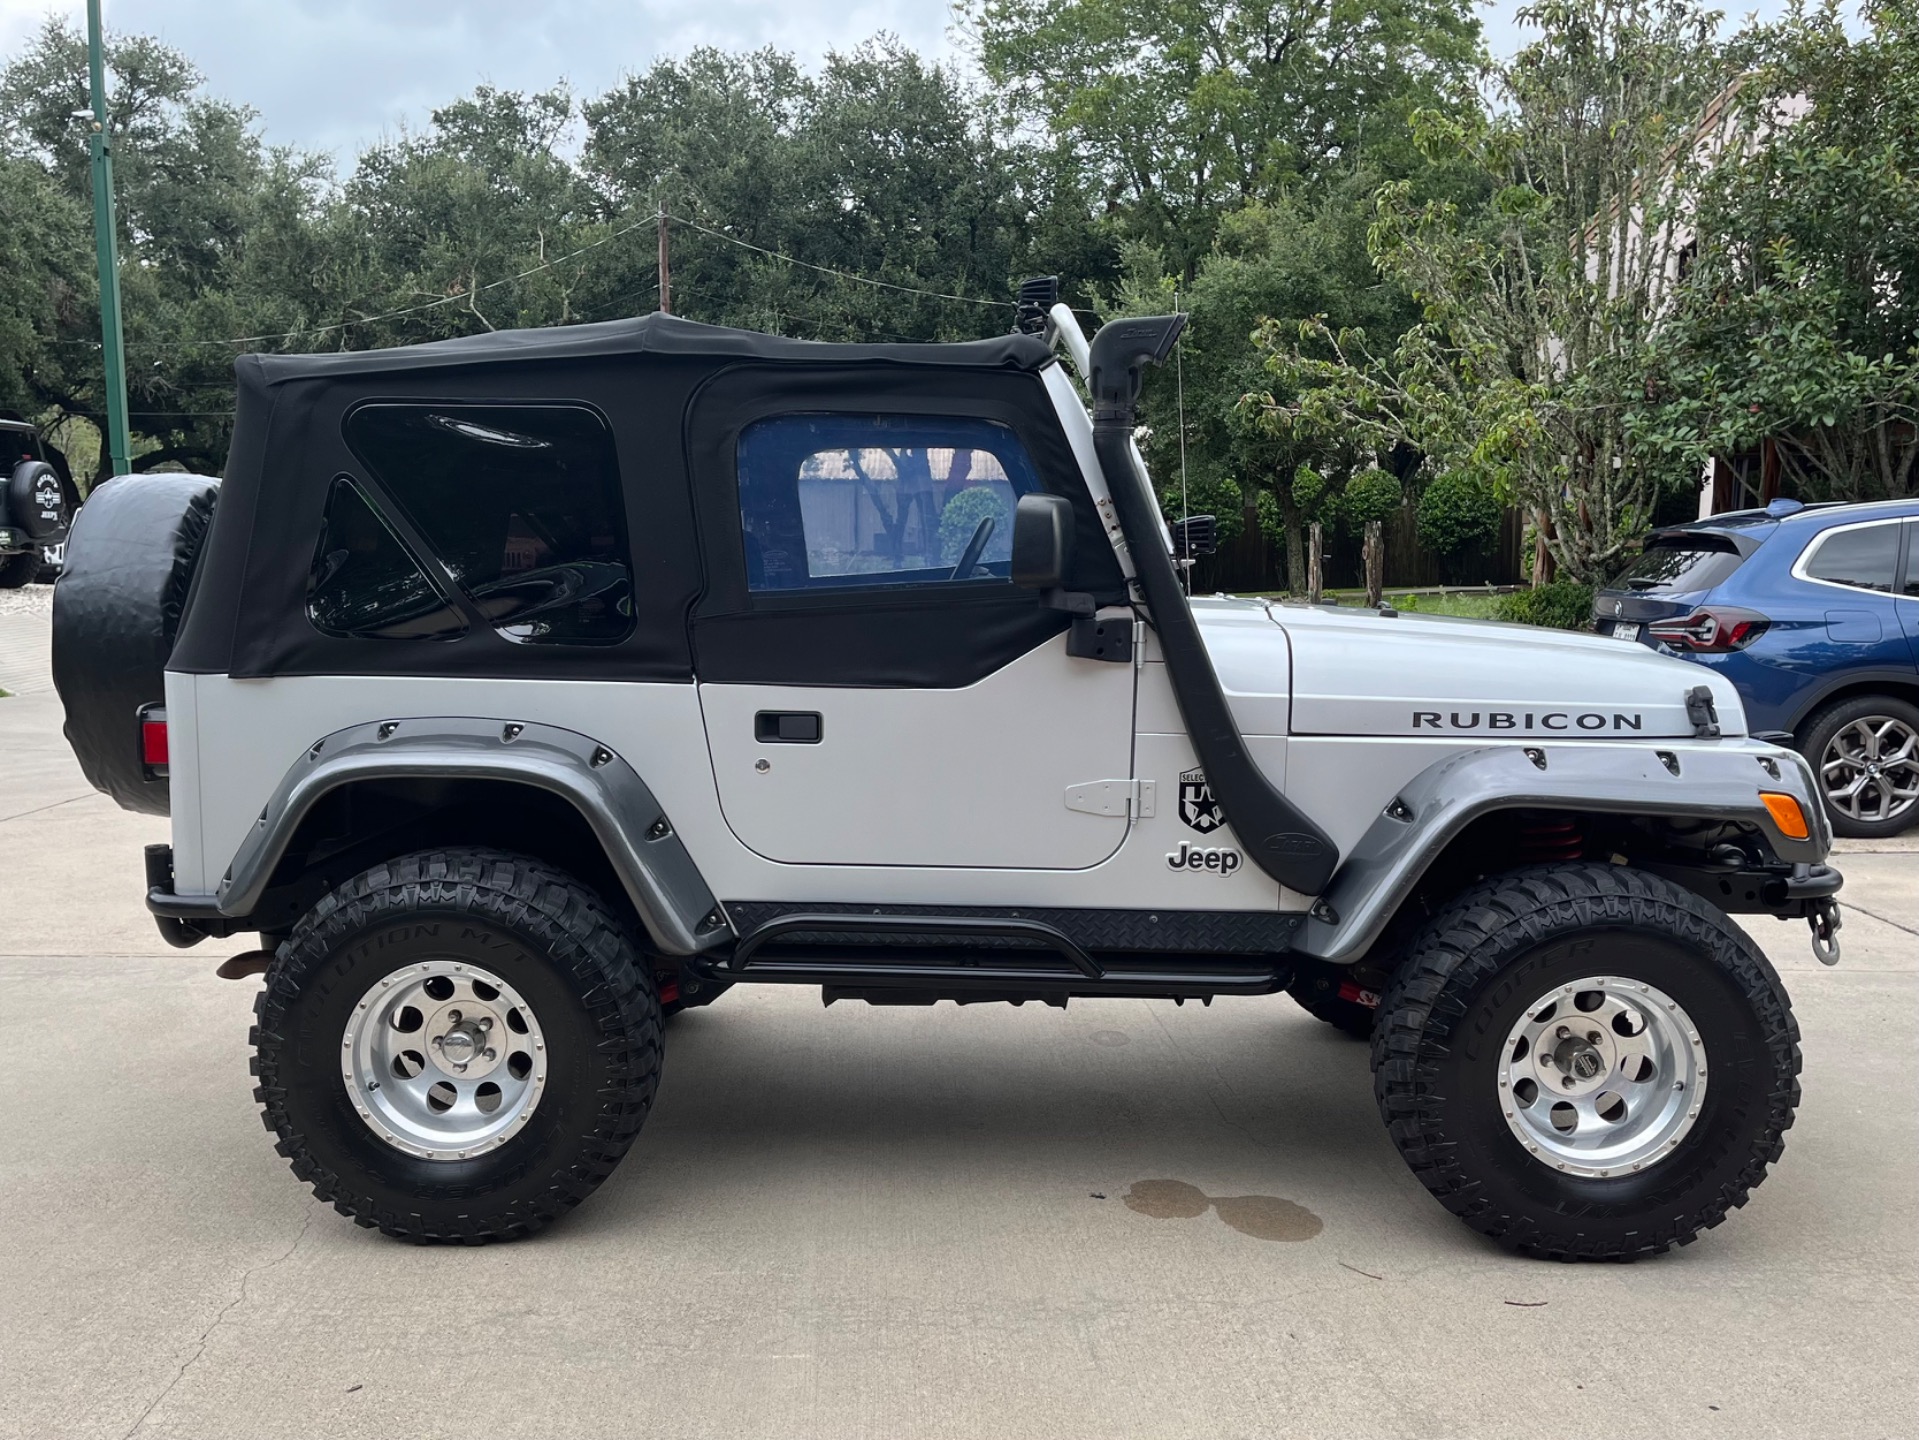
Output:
x,y
654,335
674,395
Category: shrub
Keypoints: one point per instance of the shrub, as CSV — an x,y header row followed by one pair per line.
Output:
x,y
1562,605
1372,494
1459,521
961,518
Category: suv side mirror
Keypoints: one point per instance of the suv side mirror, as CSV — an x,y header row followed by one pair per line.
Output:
x,y
1042,541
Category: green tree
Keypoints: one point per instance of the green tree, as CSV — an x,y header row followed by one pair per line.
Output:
x,y
1799,320
44,246
884,165
1296,257
216,238
470,225
1182,111
1538,309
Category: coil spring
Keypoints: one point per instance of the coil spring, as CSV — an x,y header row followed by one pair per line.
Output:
x,y
1544,840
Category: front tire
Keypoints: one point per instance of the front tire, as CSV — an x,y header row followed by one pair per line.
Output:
x,y
1644,1135
494,1099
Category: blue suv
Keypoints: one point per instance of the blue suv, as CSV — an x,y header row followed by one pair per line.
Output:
x,y
1812,612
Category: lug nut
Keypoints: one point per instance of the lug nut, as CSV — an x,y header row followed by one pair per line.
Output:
x,y
489,1055
1562,1032
1592,1037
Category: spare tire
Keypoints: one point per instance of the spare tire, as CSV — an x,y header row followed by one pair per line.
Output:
x,y
36,501
116,610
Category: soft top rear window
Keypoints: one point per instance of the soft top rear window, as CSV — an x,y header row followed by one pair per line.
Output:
x,y
1681,563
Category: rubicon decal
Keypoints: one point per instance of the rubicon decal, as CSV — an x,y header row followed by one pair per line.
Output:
x,y
1192,857
1197,807
1528,722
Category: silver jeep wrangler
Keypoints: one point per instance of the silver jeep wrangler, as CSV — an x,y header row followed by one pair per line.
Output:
x,y
522,690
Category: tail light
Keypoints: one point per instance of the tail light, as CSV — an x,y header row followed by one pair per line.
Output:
x,y
153,741
1718,630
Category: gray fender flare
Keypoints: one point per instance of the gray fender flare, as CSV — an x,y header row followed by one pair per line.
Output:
x,y
1715,781
665,886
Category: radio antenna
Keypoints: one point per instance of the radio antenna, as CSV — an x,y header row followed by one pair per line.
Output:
x,y
1185,509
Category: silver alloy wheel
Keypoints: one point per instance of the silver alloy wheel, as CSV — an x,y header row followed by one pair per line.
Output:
x,y
443,1060
1870,769
1602,1077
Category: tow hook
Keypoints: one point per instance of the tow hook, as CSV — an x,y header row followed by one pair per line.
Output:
x,y
1825,922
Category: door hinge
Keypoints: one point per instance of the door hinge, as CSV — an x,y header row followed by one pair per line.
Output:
x,y
1131,798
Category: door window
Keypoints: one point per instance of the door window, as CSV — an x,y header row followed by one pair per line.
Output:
x,y
845,501
522,505
1866,558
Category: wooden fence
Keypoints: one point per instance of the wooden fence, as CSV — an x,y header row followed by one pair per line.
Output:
x,y
1252,561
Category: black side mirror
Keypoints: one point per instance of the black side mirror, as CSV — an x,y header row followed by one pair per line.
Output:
x,y
1042,541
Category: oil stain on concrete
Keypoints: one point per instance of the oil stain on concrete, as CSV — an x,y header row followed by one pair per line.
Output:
x,y
1264,1217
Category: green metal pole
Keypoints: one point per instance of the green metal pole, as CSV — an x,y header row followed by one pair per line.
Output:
x,y
106,248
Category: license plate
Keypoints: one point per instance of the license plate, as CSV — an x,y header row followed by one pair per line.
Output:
x,y
1625,630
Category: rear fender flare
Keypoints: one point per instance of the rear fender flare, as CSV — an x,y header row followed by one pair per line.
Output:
x,y
660,877
1716,780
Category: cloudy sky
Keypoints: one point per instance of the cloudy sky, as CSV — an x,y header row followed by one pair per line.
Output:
x,y
337,74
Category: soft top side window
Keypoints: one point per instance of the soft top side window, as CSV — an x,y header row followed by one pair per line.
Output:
x,y
840,501
520,503
366,585
1866,557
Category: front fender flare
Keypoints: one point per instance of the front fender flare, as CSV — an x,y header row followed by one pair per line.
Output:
x,y
1716,780
660,878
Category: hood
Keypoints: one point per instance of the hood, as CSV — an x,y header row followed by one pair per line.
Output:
x,y
1357,672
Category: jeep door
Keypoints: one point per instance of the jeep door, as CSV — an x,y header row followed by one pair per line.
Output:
x,y
875,689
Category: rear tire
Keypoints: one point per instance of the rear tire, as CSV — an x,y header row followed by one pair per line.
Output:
x,y
543,942
1836,742
18,570
1507,952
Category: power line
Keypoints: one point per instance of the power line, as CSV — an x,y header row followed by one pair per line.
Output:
x,y
841,274
607,239
436,304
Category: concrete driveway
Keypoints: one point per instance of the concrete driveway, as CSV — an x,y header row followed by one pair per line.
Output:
x,y
891,1223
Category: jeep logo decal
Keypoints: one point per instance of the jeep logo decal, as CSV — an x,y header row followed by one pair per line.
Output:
x,y
1528,721
1191,857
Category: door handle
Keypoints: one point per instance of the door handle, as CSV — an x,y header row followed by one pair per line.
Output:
x,y
788,727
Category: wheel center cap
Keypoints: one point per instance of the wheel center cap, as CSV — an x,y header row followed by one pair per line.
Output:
x,y
1579,1059
458,1046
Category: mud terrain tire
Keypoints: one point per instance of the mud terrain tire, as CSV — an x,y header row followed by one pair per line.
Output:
x,y
548,937
1482,965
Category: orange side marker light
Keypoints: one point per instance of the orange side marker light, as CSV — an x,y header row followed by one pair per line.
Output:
x,y
1786,814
